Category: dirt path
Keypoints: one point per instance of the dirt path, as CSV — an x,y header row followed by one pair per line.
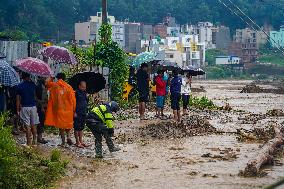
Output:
x,y
209,161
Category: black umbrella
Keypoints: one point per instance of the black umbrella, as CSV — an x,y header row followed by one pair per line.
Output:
x,y
193,71
95,81
168,65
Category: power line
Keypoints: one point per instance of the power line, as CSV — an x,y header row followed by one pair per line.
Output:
x,y
268,36
235,13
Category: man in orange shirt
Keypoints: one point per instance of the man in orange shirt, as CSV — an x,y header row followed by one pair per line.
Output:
x,y
61,107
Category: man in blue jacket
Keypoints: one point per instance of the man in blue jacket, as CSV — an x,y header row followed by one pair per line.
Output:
x,y
80,114
175,89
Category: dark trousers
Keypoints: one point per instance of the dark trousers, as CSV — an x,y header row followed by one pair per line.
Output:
x,y
99,131
40,126
185,101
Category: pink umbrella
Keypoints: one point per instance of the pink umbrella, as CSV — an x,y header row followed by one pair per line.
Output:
x,y
34,66
59,54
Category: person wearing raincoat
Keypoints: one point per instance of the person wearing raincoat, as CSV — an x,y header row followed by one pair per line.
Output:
x,y
61,107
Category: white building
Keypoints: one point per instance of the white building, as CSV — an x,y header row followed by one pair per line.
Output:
x,y
228,60
185,50
206,31
88,32
207,34
118,33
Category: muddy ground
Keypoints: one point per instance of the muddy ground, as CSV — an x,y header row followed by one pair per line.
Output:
x,y
207,154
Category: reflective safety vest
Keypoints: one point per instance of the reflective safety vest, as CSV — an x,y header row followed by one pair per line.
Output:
x,y
104,115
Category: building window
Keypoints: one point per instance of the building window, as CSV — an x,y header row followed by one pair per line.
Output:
x,y
169,55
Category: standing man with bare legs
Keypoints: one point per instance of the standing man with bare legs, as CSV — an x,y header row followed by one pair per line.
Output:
x,y
143,89
26,108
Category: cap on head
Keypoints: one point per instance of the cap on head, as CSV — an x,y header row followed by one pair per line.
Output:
x,y
114,107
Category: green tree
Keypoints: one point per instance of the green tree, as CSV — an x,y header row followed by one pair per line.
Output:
x,y
15,35
109,54
47,17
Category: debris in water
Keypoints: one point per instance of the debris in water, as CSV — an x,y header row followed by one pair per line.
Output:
x,y
194,125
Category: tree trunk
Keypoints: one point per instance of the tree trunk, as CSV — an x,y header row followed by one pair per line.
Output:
x,y
265,156
104,11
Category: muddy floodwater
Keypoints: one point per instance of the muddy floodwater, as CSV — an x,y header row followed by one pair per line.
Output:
x,y
211,159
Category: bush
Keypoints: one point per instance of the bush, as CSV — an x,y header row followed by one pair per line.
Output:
x,y
23,167
202,103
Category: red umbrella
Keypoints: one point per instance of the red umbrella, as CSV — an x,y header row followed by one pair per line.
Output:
x,y
59,54
34,66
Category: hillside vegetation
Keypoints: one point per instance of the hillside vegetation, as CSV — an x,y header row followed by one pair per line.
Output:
x,y
52,18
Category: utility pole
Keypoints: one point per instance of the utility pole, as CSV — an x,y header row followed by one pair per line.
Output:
x,y
104,11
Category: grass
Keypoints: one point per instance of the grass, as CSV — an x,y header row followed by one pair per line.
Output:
x,y
273,58
23,167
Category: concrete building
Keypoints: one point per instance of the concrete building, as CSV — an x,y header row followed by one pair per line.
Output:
x,y
147,31
223,38
99,18
246,51
170,21
118,33
207,34
132,36
185,50
278,37
87,32
248,35
161,30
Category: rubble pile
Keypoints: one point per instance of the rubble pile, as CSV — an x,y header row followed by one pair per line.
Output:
x,y
251,118
192,126
252,88
227,154
275,113
198,90
257,134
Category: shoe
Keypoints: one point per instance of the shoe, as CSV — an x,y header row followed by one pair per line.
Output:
x,y
86,145
99,156
79,145
115,149
42,141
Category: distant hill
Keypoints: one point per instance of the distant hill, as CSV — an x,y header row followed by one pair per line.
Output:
x,y
50,18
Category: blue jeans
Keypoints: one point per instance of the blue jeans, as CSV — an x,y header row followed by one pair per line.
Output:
x,y
160,100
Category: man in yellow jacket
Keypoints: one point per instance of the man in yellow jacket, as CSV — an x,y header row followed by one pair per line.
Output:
x,y
100,122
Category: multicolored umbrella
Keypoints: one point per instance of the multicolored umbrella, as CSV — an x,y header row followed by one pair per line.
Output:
x,y
59,55
144,57
8,76
34,66
95,81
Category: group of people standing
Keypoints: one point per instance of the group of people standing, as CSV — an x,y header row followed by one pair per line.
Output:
x,y
178,87
56,104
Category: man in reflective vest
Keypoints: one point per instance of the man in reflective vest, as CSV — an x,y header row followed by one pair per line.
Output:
x,y
100,122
